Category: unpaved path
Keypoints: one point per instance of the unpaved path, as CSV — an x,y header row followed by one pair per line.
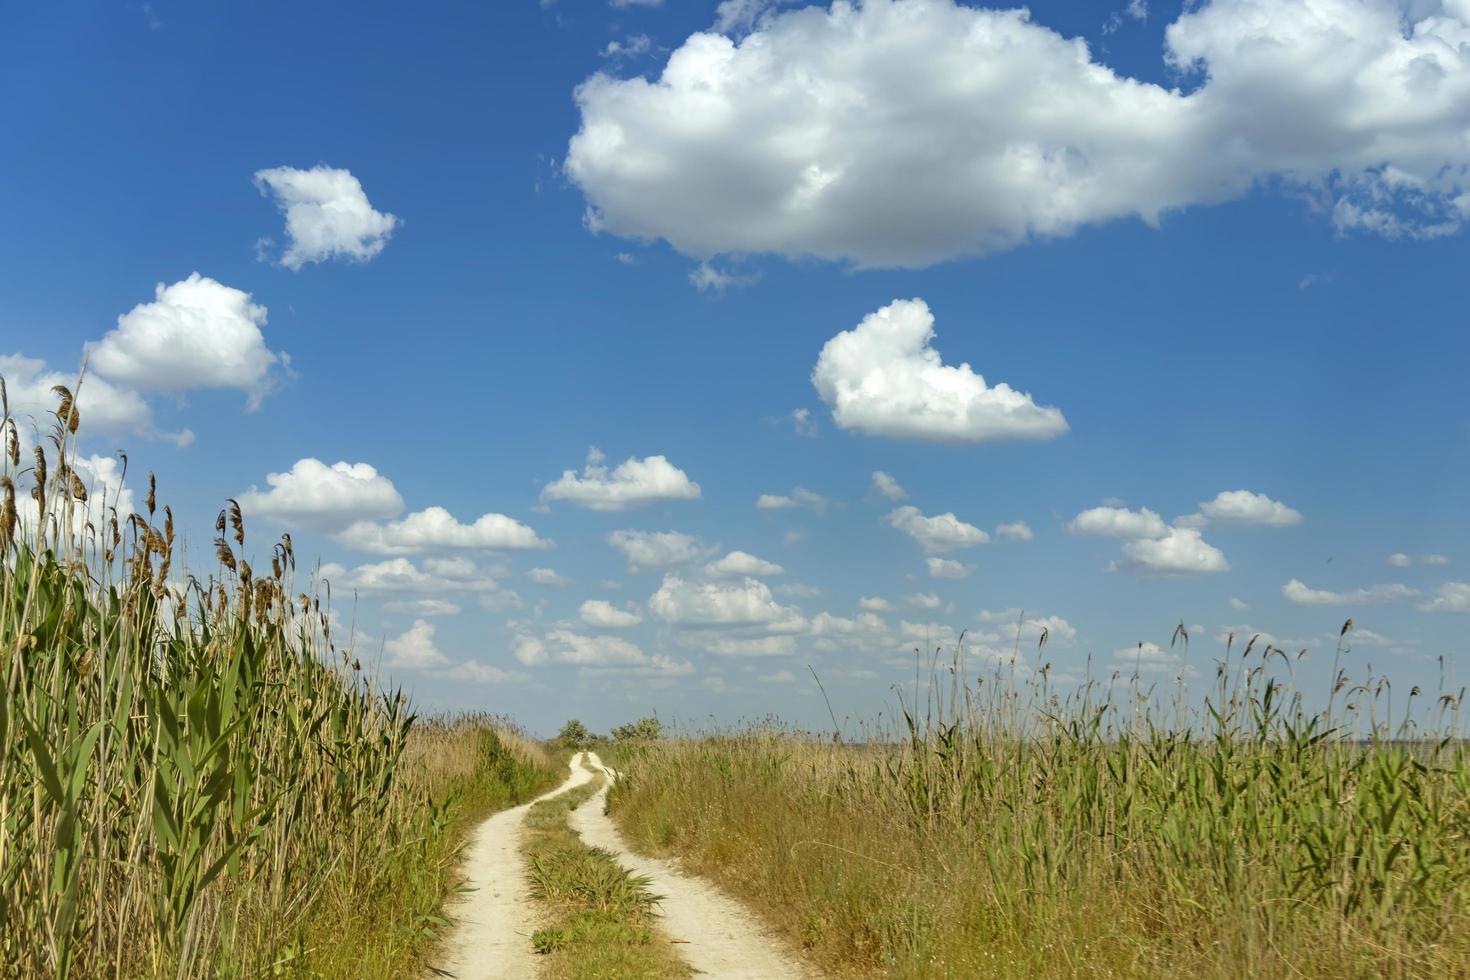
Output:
x,y
716,935
492,940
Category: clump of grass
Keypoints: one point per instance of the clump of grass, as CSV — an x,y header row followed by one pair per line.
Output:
x,y
600,917
195,778
1005,830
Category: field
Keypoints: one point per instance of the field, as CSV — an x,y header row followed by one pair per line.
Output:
x,y
1007,832
197,780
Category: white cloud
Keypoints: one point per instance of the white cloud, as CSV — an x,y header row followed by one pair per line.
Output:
x,y
594,653
882,378
1147,658
875,603
1180,552
1239,605
803,423
604,615
402,575
1016,531
741,16
433,528
658,549
415,648
780,676
947,568
924,600
327,215
706,277
547,576
738,564
887,487
937,534
633,483
685,603
630,47
928,637
314,495
197,333
1119,522
1400,560
476,672
1299,593
1242,508
816,135
104,408
799,589
1452,597
838,634
568,647
799,497
759,646
624,4
1058,629
427,606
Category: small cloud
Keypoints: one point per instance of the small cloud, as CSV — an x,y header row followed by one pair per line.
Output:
x,y
625,258
1299,593
630,47
947,568
547,576
1452,597
887,487
1016,531
803,423
706,277
799,590
798,497
1239,605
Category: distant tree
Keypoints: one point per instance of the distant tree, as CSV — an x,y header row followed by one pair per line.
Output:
x,y
642,730
575,734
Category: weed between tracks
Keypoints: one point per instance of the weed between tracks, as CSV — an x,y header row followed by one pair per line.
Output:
x,y
600,919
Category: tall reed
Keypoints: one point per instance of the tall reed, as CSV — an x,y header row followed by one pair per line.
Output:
x,y
191,768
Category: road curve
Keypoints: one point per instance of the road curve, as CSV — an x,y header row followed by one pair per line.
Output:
x,y
492,935
716,934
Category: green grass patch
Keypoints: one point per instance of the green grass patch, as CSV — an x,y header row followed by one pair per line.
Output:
x,y
600,920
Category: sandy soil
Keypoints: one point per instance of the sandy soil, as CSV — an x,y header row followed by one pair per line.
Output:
x,y
716,935
492,939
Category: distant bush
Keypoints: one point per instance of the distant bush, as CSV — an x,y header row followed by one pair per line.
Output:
x,y
575,734
642,730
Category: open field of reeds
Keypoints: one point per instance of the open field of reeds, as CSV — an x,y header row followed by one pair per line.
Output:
x,y
1006,831
195,778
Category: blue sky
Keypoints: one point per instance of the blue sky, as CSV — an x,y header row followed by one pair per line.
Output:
x,y
1229,265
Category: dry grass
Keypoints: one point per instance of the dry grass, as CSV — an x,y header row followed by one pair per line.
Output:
x,y
1005,832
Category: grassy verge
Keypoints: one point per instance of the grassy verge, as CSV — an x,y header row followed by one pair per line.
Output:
x,y
1012,835
600,923
383,924
197,779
